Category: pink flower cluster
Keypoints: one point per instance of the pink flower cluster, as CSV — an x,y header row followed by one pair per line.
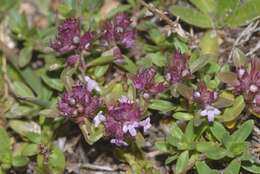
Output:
x,y
123,120
118,31
78,103
70,40
248,84
144,82
204,97
178,69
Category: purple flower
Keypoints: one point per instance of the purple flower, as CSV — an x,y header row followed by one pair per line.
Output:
x,y
131,128
203,96
92,84
99,118
118,142
119,31
123,119
248,83
249,80
86,40
69,38
144,81
127,39
146,124
178,69
72,59
211,112
78,103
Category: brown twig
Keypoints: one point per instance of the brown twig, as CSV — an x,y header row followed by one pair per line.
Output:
x,y
176,27
244,36
100,168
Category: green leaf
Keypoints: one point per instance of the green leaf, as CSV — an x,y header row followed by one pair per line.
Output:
x,y
233,112
236,148
101,61
206,6
233,167
33,137
156,36
91,133
161,105
184,91
66,77
21,90
57,161
100,70
224,10
218,130
199,63
30,150
212,150
209,43
247,12
161,146
180,45
203,168
225,99
157,58
228,78
20,161
182,162
243,132
32,80
23,127
5,148
192,16
239,58
53,83
171,159
183,116
253,168
25,56
189,133
176,131
129,65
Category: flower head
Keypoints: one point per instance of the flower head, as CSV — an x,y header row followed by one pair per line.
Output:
x,y
203,96
119,31
144,81
92,84
249,80
69,38
249,84
78,103
178,69
99,118
123,119
72,59
211,112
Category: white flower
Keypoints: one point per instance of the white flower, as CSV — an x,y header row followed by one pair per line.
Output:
x,y
146,124
118,142
99,118
211,112
131,128
92,84
125,99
